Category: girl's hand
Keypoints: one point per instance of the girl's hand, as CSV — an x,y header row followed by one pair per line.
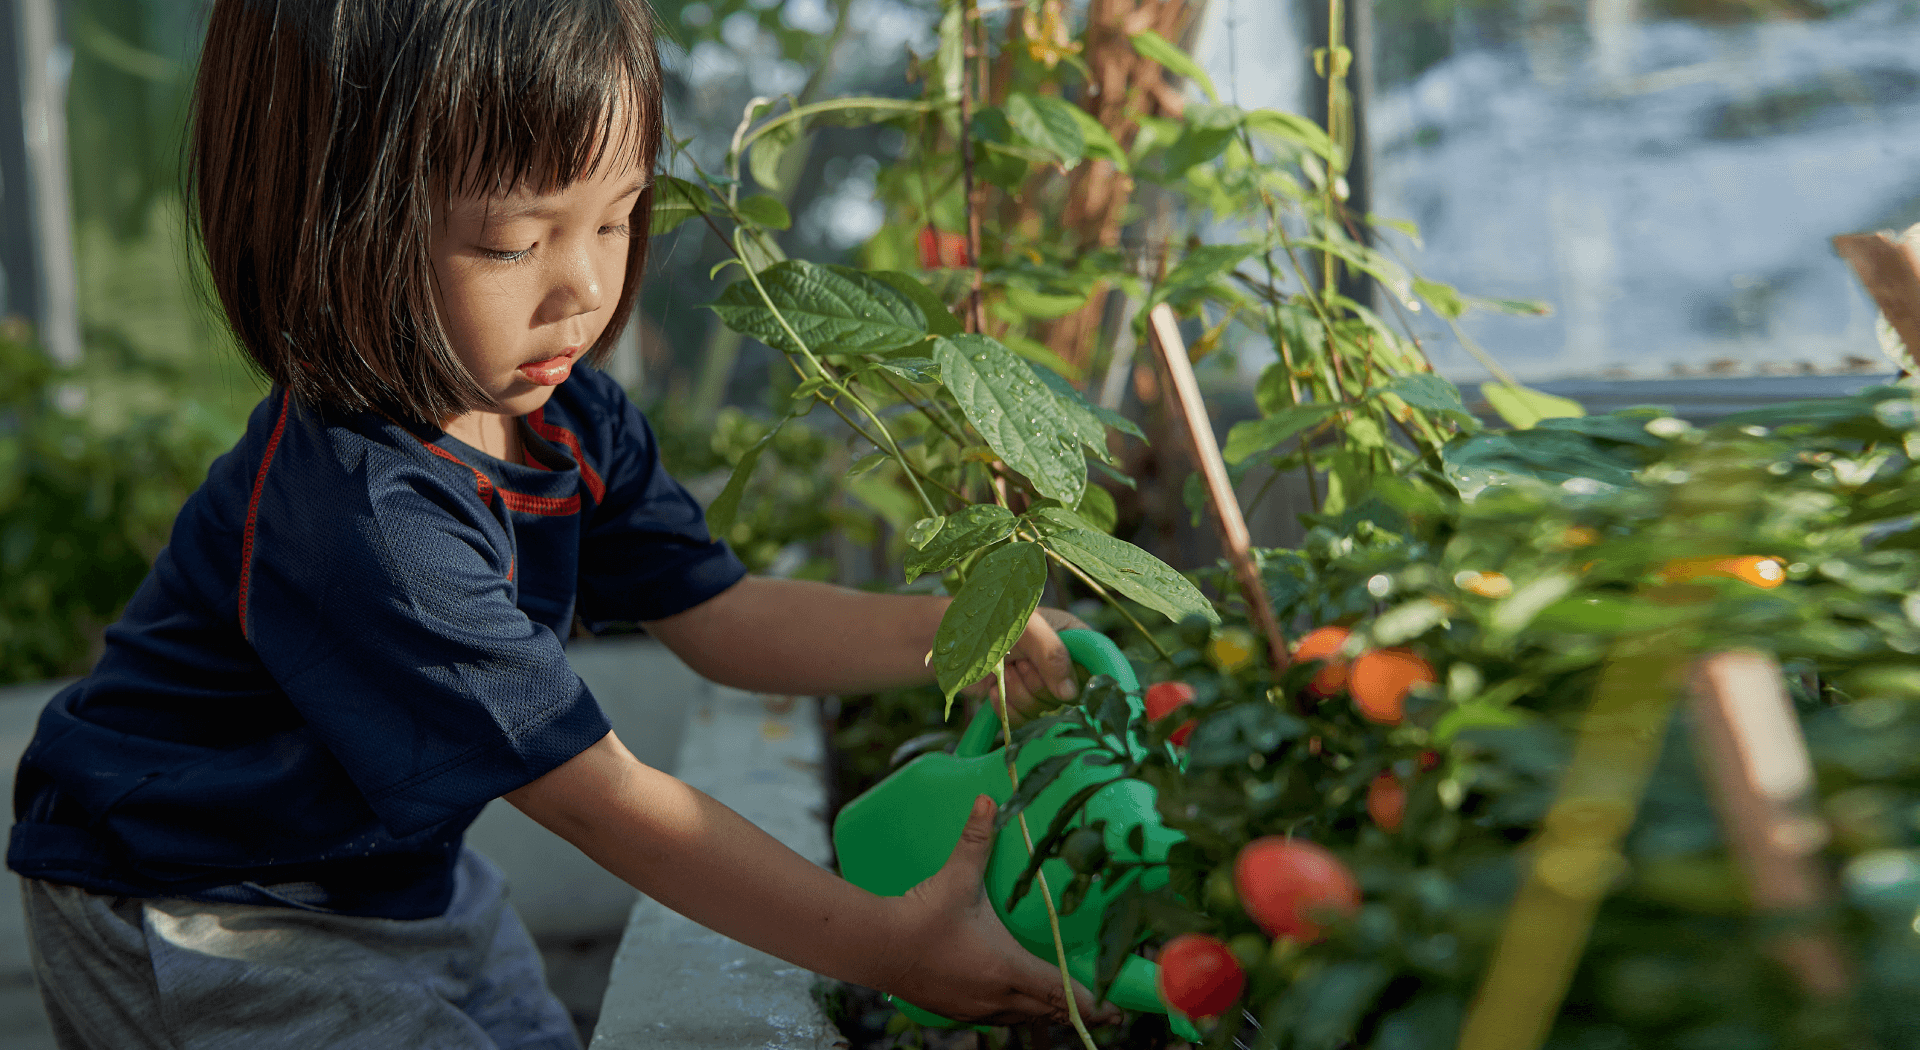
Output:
x,y
960,962
1038,666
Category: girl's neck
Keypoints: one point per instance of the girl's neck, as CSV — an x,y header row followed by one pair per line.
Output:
x,y
490,432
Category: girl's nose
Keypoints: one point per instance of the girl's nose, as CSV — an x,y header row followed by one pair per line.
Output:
x,y
577,290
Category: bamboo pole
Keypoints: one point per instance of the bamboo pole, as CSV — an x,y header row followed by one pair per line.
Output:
x,y
1232,526
1761,778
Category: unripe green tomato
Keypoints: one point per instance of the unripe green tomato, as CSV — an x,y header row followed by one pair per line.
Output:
x,y
1084,850
1221,897
1250,949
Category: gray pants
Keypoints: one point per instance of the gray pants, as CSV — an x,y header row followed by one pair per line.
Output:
x,y
125,973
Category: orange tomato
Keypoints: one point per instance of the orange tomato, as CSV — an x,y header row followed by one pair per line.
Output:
x,y
1386,802
1290,886
1199,975
1323,643
1382,678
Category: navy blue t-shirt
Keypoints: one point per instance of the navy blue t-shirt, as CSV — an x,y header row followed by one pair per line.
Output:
x,y
351,643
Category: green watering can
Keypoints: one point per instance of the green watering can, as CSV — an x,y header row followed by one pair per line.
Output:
x,y
899,833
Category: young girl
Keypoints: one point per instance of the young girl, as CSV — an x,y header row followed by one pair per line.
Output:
x,y
243,829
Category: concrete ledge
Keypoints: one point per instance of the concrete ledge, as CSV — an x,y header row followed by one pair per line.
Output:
x,y
678,985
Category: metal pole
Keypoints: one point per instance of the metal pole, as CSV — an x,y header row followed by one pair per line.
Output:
x,y
42,64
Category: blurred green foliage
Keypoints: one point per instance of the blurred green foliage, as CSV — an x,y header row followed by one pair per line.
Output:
x,y
91,476
792,502
1521,594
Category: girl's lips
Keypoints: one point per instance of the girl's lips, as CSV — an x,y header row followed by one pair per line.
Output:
x,y
551,372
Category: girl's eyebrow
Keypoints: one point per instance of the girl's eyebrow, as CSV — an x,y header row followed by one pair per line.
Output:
x,y
539,207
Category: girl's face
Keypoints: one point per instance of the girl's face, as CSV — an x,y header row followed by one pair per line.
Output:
x,y
528,281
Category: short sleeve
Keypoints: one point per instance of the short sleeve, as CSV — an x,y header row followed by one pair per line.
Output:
x,y
646,553
381,602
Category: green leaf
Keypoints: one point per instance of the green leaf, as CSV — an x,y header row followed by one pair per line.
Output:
x,y
1195,146
963,533
1100,141
1523,406
940,320
1261,435
1042,305
1120,930
1430,1022
1205,263
1442,297
1292,129
950,58
767,211
987,616
1134,573
866,463
1021,420
924,530
767,151
1552,456
1334,1001
1091,419
1099,510
835,310
1049,518
674,202
1429,393
1517,307
726,506
1032,782
911,369
1154,46
1425,390
1407,621
1047,123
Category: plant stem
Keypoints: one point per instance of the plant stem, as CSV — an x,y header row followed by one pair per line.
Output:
x,y
976,310
1046,892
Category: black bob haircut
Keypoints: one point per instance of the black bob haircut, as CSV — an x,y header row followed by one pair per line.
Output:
x,y
324,132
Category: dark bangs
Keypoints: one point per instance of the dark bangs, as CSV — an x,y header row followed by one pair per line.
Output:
x,y
324,132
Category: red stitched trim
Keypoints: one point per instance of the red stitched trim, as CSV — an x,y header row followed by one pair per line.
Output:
x,y
542,505
253,513
538,421
480,481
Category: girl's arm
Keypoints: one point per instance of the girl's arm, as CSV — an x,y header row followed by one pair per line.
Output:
x,y
940,947
815,639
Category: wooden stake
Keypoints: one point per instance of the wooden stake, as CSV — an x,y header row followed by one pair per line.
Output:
x,y
1891,274
1206,456
1761,779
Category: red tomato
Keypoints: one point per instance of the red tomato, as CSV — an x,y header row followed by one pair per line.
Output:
x,y
1429,760
1323,643
1163,697
1286,885
1386,802
939,249
1199,976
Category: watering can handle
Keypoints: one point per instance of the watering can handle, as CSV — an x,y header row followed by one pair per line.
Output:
x,y
1091,650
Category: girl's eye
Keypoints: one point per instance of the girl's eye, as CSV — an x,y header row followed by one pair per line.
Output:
x,y
619,230
505,256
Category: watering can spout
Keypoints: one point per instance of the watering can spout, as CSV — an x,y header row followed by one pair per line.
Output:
x,y
901,831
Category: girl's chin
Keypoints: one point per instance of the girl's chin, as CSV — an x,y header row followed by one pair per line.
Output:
x,y
522,397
